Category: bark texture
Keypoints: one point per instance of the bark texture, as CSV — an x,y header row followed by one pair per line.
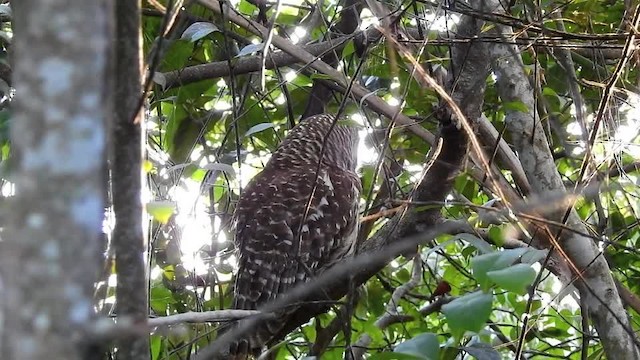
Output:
x,y
128,235
49,252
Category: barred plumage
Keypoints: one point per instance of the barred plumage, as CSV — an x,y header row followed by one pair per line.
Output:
x,y
295,219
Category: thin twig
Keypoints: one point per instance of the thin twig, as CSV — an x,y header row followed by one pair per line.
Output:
x,y
391,313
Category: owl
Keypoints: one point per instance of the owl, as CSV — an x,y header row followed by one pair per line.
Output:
x,y
295,219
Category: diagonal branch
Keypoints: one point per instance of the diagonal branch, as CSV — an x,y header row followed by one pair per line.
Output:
x,y
247,64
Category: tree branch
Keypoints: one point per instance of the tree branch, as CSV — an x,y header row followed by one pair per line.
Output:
x,y
247,64
359,92
388,318
202,317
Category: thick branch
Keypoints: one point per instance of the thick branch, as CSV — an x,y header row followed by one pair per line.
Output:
x,y
247,64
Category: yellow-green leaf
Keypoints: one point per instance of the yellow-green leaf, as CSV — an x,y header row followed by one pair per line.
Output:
x,y
161,211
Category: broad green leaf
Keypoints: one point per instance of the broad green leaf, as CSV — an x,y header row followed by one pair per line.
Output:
x,y
349,49
515,278
220,167
597,354
478,243
482,351
532,256
549,92
482,264
198,30
169,272
394,356
161,211
291,10
425,346
250,49
258,128
246,7
403,275
468,313
160,298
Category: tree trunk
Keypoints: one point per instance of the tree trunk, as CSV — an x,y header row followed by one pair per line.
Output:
x,y
128,235
49,253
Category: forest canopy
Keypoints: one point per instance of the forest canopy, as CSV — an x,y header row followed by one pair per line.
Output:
x,y
498,157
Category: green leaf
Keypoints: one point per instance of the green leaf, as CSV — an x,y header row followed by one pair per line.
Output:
x,y
468,313
259,128
424,346
516,106
147,166
597,354
198,30
246,7
480,244
496,235
250,49
161,211
515,278
482,264
549,92
220,167
159,298
403,275
482,351
169,272
394,356
532,256
349,49
156,346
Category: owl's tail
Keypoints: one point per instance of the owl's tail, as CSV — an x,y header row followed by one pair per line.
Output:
x,y
256,334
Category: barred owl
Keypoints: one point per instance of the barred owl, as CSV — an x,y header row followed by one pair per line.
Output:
x,y
295,219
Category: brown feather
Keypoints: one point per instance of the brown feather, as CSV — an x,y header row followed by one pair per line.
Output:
x,y
295,219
